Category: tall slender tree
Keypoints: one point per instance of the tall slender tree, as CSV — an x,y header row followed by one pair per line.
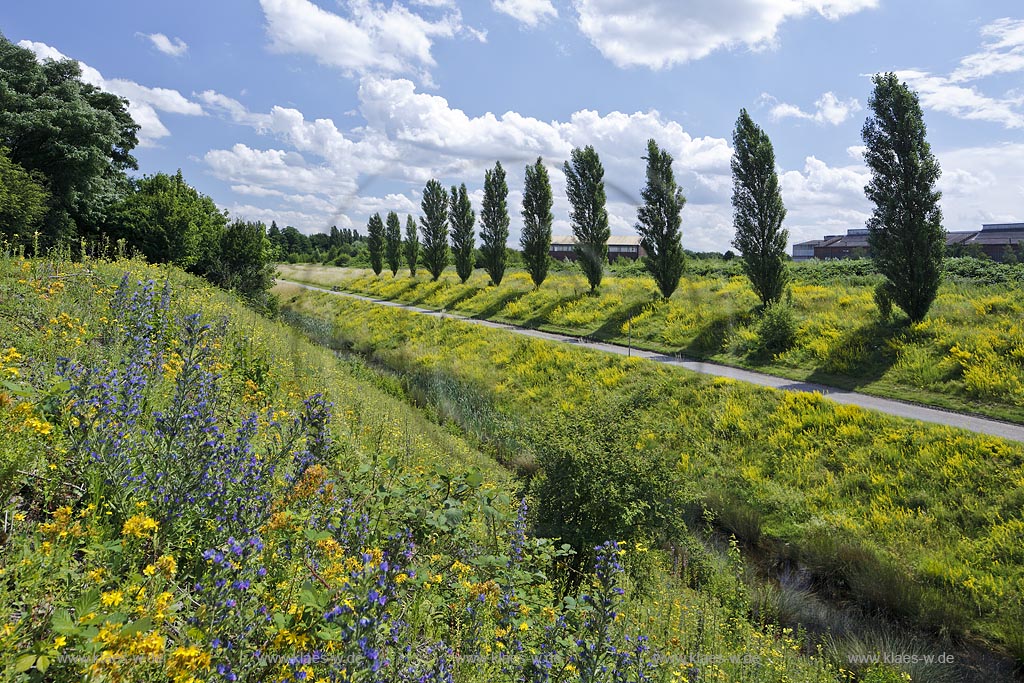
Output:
x,y
435,227
758,211
375,243
411,245
905,232
462,217
494,223
584,181
393,242
659,220
535,240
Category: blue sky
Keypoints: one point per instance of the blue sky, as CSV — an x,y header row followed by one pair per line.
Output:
x,y
320,112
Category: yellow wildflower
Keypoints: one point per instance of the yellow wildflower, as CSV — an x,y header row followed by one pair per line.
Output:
x,y
139,526
111,598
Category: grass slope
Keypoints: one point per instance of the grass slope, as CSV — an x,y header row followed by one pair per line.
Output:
x,y
967,355
922,521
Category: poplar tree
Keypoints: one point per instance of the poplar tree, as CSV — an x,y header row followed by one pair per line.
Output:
x,y
435,228
411,245
659,220
462,217
375,243
393,242
905,233
494,223
535,240
584,181
758,211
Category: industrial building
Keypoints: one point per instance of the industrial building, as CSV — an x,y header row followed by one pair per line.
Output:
x,y
563,247
997,241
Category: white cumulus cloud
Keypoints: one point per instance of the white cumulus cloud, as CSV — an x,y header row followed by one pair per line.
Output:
x,y
1003,52
175,47
660,33
371,38
827,109
529,12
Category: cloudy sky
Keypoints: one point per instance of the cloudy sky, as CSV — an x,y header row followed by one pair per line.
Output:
x,y
321,112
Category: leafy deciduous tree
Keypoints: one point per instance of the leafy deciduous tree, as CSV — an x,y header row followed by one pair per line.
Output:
x,y
169,221
537,218
905,232
243,264
77,136
462,217
584,181
23,200
659,220
494,223
758,210
435,227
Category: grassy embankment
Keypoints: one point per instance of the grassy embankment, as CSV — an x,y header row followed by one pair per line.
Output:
x,y
923,522
181,503
967,355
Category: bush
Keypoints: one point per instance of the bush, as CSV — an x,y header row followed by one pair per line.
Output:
x,y
776,330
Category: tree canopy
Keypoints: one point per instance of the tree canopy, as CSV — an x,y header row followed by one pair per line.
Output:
x,y
393,242
435,228
375,242
659,220
23,200
169,221
535,239
584,180
758,210
461,217
494,223
905,232
78,137
411,245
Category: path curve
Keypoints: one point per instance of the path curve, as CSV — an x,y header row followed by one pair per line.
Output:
x,y
913,411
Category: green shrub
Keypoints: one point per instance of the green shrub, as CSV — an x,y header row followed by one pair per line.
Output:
x,y
776,331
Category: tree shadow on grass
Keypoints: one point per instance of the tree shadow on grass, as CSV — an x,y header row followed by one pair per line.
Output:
x,y
540,317
612,327
861,357
406,287
465,294
498,304
711,338
425,290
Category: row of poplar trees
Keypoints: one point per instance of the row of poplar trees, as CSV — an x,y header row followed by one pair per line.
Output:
x,y
906,237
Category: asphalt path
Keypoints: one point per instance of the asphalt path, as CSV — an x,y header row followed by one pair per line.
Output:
x,y
913,411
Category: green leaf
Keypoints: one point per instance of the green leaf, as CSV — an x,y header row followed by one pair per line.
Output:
x,y
24,663
18,389
332,633
475,478
316,534
143,624
43,663
64,623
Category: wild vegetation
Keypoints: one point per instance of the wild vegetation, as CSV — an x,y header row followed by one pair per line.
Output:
x,y
967,354
192,492
920,522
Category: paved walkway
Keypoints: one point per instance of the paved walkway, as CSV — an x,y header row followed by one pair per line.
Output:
x,y
914,411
